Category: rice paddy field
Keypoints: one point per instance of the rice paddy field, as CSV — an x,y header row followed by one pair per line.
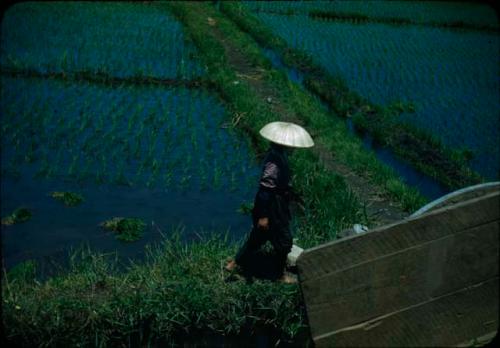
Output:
x,y
450,76
97,39
130,154
160,147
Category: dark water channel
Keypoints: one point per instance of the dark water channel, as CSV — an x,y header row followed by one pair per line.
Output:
x,y
427,186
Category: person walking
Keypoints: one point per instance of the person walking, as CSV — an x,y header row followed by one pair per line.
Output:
x,y
271,214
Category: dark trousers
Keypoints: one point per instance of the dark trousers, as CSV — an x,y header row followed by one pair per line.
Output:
x,y
280,238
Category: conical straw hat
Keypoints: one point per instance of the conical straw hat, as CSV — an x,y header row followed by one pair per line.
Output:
x,y
286,133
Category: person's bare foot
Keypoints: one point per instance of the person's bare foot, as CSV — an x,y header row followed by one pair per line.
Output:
x,y
286,279
231,266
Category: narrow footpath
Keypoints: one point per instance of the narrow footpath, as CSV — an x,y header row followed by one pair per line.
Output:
x,y
379,209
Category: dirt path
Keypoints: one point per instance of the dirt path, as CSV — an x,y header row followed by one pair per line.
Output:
x,y
379,209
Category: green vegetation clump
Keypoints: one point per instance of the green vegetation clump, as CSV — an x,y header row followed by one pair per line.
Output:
x,y
126,229
19,215
69,199
178,289
245,208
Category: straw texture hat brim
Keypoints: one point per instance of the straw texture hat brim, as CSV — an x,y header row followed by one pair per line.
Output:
x,y
287,134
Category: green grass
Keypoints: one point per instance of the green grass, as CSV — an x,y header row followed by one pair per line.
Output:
x,y
178,289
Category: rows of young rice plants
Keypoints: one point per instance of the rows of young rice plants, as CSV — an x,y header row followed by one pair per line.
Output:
x,y
135,136
120,39
437,12
451,77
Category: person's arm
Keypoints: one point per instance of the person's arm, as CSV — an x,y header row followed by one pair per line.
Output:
x,y
266,193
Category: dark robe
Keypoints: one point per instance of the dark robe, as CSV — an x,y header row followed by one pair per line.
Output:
x,y
271,201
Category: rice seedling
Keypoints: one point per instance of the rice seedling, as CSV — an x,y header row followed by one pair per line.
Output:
x,y
188,161
85,173
120,178
149,119
149,158
19,215
99,128
168,138
100,177
155,166
43,170
184,182
140,131
70,199
72,168
217,175
30,157
85,123
103,161
137,148
132,121
234,183
203,177
153,140
153,178
181,69
165,157
167,178
126,229
194,141
140,171
115,157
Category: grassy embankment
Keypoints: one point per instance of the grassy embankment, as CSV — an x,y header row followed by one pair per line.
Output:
x,y
357,17
423,151
102,77
354,17
180,288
